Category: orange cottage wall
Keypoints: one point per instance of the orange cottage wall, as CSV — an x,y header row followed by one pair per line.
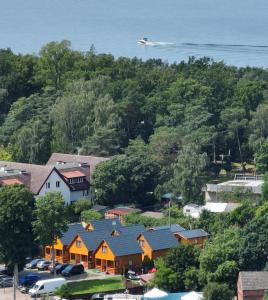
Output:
x,y
80,254
61,257
195,241
130,262
119,264
147,251
159,253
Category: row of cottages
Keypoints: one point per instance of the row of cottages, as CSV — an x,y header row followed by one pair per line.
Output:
x,y
111,247
65,173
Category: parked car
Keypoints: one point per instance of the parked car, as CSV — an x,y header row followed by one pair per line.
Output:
x,y
6,282
44,287
73,270
98,296
43,265
59,268
33,263
28,280
132,275
50,267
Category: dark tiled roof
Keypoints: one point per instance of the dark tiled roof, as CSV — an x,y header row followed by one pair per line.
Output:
x,y
254,280
123,245
35,175
133,230
160,239
106,224
69,235
194,233
173,228
92,161
92,239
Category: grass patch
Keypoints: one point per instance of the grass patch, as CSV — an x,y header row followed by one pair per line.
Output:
x,y
96,285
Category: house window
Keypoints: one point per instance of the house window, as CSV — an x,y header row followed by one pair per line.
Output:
x,y
78,244
76,180
141,242
83,257
48,251
109,264
117,263
48,185
104,249
130,262
98,262
85,192
72,256
58,252
57,184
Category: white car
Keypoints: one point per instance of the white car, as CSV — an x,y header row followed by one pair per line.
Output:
x,y
43,264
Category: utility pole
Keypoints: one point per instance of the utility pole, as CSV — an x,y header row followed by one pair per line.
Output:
x,y
15,278
169,219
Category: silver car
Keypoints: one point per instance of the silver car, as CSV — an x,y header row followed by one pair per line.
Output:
x,y
43,265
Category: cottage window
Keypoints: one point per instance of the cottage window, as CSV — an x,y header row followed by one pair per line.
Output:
x,y
47,250
98,262
130,262
117,263
58,252
57,184
72,256
83,257
141,242
48,185
109,264
104,249
78,244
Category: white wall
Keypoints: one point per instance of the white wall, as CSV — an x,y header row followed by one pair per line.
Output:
x,y
78,195
63,188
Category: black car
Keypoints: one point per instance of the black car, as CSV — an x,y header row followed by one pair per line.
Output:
x,y
73,270
59,268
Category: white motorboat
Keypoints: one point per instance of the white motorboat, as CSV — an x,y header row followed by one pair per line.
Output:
x,y
143,41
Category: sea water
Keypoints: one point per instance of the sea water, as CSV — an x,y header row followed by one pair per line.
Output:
x,y
234,31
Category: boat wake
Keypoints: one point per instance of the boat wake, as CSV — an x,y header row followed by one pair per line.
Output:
x,y
224,45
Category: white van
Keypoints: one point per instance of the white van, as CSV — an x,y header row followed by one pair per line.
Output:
x,y
47,286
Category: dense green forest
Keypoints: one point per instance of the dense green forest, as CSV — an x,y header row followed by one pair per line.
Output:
x,y
161,122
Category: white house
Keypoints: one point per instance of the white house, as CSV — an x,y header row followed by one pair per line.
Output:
x,y
68,174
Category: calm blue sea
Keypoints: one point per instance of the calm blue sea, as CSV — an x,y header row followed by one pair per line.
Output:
x,y
231,30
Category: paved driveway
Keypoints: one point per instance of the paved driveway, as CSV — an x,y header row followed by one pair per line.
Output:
x,y
7,294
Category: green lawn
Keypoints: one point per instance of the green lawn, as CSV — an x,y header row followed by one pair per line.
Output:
x,y
96,285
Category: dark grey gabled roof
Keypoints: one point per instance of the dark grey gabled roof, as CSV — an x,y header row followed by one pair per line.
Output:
x,y
173,228
194,233
106,225
133,230
160,239
254,280
123,245
92,239
72,231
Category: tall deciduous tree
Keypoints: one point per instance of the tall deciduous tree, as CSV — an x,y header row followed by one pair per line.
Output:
x,y
56,58
50,220
189,173
261,157
16,211
259,126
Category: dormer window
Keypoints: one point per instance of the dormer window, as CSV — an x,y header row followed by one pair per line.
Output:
x,y
76,180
